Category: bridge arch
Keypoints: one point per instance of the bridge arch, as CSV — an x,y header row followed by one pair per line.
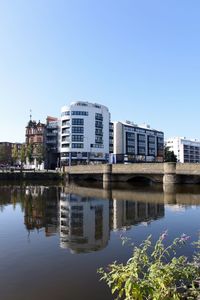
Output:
x,y
139,178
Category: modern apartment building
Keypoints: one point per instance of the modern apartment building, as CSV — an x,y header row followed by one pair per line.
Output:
x,y
84,135
35,137
132,143
186,150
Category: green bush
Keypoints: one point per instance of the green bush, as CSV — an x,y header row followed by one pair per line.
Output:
x,y
155,272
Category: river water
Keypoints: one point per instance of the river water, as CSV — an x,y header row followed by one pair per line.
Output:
x,y
54,238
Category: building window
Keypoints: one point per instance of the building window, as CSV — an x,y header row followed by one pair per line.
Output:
x,y
131,150
97,106
99,124
81,104
98,131
160,140
141,150
65,131
79,113
65,145
98,140
98,117
77,138
77,129
77,145
65,113
77,121
96,146
151,139
141,137
65,123
65,138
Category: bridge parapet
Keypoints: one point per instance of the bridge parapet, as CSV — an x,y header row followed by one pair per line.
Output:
x,y
188,169
85,169
138,168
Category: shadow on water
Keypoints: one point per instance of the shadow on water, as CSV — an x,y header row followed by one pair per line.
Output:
x,y
140,180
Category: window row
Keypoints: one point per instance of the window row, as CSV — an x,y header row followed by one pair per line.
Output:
x,y
79,113
77,145
77,138
77,121
74,145
77,129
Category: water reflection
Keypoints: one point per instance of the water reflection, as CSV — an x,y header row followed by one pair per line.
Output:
x,y
83,217
84,223
41,209
128,213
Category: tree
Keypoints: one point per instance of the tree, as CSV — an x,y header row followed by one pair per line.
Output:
x,y
23,155
3,154
29,152
15,154
169,155
40,153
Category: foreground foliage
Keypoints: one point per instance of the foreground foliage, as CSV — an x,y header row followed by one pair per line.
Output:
x,y
156,272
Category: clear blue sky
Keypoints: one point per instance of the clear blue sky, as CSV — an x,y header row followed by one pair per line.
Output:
x,y
140,58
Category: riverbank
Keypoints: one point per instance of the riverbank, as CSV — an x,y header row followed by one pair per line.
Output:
x,y
30,175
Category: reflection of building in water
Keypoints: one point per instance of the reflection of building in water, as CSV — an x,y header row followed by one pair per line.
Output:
x,y
84,223
41,209
127,213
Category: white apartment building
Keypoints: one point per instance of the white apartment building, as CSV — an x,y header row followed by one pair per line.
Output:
x,y
132,143
84,135
186,150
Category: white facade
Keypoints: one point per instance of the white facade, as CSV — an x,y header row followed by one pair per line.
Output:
x,y
84,133
186,150
137,143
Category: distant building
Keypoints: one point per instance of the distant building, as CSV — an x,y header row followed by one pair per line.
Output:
x,y
51,143
84,135
44,137
133,143
35,133
35,136
186,150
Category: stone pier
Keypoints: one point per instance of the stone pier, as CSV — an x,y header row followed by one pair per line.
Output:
x,y
107,176
170,176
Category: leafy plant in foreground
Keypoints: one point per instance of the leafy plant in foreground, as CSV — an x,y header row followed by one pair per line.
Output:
x,y
155,272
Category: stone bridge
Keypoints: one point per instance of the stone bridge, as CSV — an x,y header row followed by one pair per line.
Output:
x,y
155,172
